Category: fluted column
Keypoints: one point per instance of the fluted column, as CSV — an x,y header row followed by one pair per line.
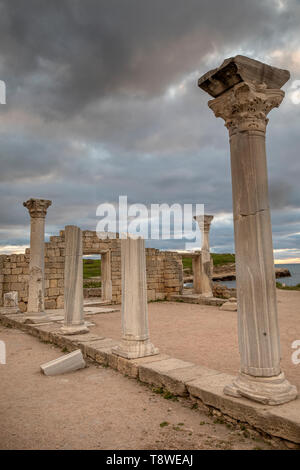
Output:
x,y
206,274
246,90
37,209
73,282
135,332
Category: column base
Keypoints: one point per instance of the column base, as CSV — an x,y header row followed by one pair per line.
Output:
x,y
74,329
135,349
206,295
267,390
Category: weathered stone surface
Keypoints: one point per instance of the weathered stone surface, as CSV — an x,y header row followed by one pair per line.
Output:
x,y
280,421
67,363
11,299
229,306
241,69
96,310
172,374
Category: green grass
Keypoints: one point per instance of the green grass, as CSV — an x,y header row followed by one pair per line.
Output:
x,y
218,259
91,269
223,258
280,286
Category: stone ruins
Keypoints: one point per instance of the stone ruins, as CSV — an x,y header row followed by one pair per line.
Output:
x,y
50,275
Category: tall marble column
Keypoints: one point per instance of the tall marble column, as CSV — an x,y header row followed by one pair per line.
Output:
x,y
73,282
206,274
135,333
37,209
245,91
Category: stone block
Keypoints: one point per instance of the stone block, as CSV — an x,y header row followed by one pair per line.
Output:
x,y
230,306
11,299
67,363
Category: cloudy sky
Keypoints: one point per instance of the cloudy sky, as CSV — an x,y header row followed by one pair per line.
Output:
x,y
102,100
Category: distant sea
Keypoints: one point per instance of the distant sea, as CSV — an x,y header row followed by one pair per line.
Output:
x,y
288,281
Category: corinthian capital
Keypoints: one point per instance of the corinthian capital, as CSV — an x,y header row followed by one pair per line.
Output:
x,y
245,106
204,221
37,207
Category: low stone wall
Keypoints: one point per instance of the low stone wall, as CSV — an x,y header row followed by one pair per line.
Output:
x,y
89,292
164,270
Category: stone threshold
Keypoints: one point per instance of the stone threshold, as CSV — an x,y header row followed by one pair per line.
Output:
x,y
180,378
197,299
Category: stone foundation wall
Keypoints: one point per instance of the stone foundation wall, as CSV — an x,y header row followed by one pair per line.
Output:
x,y
164,270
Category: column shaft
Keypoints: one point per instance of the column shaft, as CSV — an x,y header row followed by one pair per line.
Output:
x,y
36,266
37,209
73,282
135,332
256,288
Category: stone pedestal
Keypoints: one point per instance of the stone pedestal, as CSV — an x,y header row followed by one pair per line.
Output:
x,y
37,209
206,273
245,91
135,339
73,294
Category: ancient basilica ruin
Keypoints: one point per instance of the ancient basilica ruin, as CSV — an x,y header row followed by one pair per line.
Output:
x,y
48,276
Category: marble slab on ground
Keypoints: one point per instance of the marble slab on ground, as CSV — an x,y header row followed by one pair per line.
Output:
x,y
94,302
96,310
63,364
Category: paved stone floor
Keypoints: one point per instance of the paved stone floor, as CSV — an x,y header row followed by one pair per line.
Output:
x,y
207,336
97,408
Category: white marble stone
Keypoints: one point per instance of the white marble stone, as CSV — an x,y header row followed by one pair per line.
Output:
x,y
244,104
135,333
73,283
67,363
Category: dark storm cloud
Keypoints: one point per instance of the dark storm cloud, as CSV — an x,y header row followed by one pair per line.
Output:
x,y
102,100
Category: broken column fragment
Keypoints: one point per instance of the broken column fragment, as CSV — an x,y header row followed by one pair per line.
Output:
x,y
245,91
62,365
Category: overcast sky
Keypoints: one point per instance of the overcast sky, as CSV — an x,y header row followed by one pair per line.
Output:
x,y
102,101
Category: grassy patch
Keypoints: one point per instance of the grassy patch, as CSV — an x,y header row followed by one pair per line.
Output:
x,y
164,423
223,258
164,393
91,268
280,286
218,259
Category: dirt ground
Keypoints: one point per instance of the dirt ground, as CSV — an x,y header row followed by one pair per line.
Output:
x,y
206,335
97,408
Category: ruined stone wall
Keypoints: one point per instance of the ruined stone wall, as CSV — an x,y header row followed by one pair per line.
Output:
x,y
164,270
1,279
